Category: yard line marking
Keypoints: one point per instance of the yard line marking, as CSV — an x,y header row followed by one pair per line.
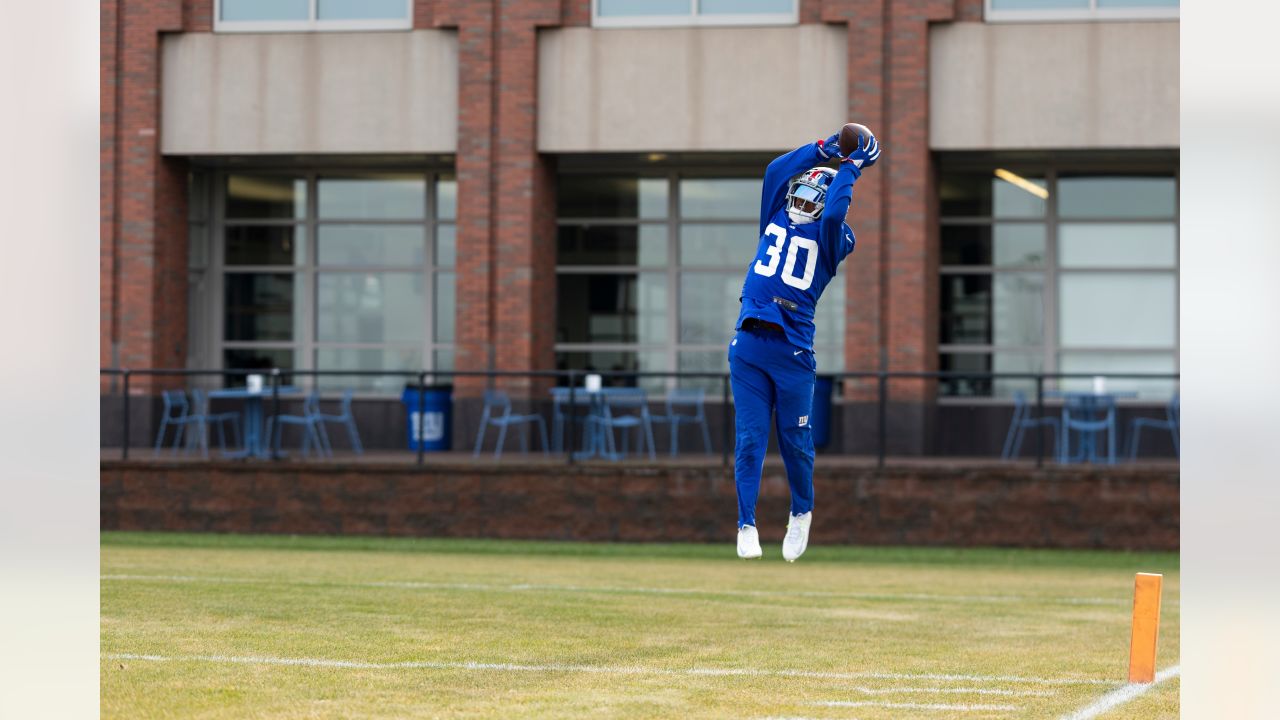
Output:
x,y
915,706
605,589
953,691
1122,695
602,669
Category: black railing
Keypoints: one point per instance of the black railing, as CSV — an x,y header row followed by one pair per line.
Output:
x,y
573,380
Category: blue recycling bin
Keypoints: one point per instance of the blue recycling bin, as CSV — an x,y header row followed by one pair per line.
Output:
x,y
429,424
821,420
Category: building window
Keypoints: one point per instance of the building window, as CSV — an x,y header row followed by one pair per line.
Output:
x,y
332,271
649,271
667,13
311,15
1074,10
1058,270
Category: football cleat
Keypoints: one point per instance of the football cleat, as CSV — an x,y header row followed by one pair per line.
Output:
x,y
748,542
797,539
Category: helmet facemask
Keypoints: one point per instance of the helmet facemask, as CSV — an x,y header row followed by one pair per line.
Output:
x,y
807,195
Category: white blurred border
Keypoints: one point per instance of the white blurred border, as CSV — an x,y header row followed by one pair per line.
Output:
x,y
48,364
1230,300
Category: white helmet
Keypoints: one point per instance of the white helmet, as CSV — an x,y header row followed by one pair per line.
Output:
x,y
808,194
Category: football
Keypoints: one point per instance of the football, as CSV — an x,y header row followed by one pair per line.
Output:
x,y
849,136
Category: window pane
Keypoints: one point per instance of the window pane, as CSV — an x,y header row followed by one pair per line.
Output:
x,y
266,9
1118,245
197,245
444,361
1102,363
720,198
718,245
389,359
255,359
1039,4
616,8
263,245
1117,309
828,322
630,308
260,306
362,9
623,361
403,245
1002,244
389,197
644,245
710,361
198,196
744,7
256,197
446,199
984,195
594,196
1117,197
369,307
446,245
999,361
709,306
444,306
1004,309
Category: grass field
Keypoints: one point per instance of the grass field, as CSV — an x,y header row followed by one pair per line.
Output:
x,y
280,627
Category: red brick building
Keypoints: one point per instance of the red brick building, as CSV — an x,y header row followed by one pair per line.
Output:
x,y
538,184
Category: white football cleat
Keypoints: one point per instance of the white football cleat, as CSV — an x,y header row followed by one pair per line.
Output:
x,y
797,539
748,543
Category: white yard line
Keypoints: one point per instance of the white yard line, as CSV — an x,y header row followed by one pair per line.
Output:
x,y
1122,695
953,691
916,706
528,587
601,669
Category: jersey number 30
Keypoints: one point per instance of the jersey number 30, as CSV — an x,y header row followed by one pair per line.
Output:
x,y
788,270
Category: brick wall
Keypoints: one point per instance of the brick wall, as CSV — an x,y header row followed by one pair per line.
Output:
x,y
1131,507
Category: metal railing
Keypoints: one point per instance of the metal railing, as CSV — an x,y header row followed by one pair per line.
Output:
x,y
573,379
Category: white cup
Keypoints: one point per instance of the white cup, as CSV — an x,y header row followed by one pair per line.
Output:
x,y
593,383
253,383
1099,385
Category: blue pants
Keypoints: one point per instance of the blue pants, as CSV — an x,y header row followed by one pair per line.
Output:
x,y
768,373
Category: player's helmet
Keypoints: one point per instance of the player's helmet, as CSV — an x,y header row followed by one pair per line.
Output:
x,y
808,194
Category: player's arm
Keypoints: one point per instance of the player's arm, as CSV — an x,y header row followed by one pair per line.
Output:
x,y
840,195
784,167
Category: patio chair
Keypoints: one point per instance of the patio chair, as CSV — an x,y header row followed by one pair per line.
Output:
x,y
344,418
1021,421
687,399
201,400
176,413
497,412
309,421
1088,416
626,408
1172,416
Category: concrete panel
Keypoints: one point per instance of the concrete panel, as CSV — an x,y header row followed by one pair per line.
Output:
x,y
310,93
1059,85
683,89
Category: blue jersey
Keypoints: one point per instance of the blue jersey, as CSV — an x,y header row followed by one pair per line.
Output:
x,y
795,262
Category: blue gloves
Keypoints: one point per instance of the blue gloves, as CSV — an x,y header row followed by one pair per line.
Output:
x,y
866,154
830,147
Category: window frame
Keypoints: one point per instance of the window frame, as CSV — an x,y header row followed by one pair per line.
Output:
x,y
1052,169
312,23
1091,13
694,18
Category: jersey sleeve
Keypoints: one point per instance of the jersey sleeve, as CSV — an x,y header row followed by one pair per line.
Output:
x,y
782,169
835,237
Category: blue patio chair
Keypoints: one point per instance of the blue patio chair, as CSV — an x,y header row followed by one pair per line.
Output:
x,y
685,399
1173,416
309,421
560,413
176,413
347,420
626,408
1089,416
497,412
1019,424
217,420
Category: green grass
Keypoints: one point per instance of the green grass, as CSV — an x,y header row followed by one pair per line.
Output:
x,y
637,624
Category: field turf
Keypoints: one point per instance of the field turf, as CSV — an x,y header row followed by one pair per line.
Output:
x,y
217,626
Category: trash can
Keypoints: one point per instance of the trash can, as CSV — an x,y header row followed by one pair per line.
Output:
x,y
429,425
821,420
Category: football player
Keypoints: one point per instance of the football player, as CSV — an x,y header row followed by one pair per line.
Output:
x,y
803,239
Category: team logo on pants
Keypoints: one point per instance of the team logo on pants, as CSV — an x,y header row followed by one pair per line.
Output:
x,y
804,420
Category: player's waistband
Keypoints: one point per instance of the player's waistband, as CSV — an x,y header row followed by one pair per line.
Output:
x,y
758,325
789,305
